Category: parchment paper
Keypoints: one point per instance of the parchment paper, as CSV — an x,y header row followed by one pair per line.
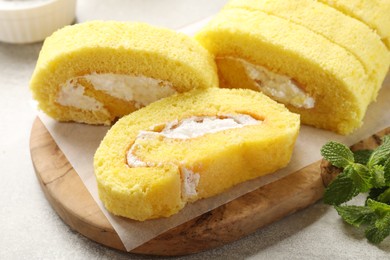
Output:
x,y
79,142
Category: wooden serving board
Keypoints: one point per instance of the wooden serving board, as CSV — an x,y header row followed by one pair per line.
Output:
x,y
74,204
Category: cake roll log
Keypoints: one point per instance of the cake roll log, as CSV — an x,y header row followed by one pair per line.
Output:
x,y
351,34
312,75
97,71
374,13
191,146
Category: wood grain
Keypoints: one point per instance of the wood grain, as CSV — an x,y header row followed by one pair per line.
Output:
x,y
240,217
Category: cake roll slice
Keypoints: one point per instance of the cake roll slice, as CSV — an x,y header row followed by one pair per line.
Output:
x,y
374,13
310,74
354,36
98,71
191,146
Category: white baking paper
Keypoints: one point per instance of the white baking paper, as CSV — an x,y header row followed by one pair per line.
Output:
x,y
79,141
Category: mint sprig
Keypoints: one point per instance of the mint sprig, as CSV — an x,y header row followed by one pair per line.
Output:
x,y
341,190
365,171
375,217
379,228
337,154
356,215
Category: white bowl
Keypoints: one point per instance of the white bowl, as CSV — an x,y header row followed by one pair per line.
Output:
x,y
30,21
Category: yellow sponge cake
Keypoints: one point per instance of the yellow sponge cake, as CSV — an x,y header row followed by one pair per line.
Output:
x,y
354,36
374,13
97,71
191,146
299,65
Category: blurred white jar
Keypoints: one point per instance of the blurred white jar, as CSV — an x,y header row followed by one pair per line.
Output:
x,y
27,21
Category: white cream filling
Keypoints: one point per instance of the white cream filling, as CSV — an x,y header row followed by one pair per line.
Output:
x,y
140,89
143,90
132,159
72,94
198,126
189,128
279,87
190,181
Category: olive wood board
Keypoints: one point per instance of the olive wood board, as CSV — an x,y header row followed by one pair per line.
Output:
x,y
69,197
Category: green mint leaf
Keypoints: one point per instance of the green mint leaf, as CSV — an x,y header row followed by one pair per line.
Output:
x,y
376,235
384,197
361,177
381,153
380,229
340,190
386,171
363,171
356,215
362,156
380,208
378,176
337,154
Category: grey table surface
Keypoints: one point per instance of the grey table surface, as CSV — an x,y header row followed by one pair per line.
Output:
x,y
31,229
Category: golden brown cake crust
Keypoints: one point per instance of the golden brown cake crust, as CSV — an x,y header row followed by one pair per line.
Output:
x,y
120,48
221,159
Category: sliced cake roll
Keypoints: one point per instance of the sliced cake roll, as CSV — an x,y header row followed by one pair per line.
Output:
x,y
374,13
191,146
308,72
355,37
97,71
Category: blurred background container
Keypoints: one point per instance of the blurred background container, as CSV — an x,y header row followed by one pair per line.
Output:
x,y
27,21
